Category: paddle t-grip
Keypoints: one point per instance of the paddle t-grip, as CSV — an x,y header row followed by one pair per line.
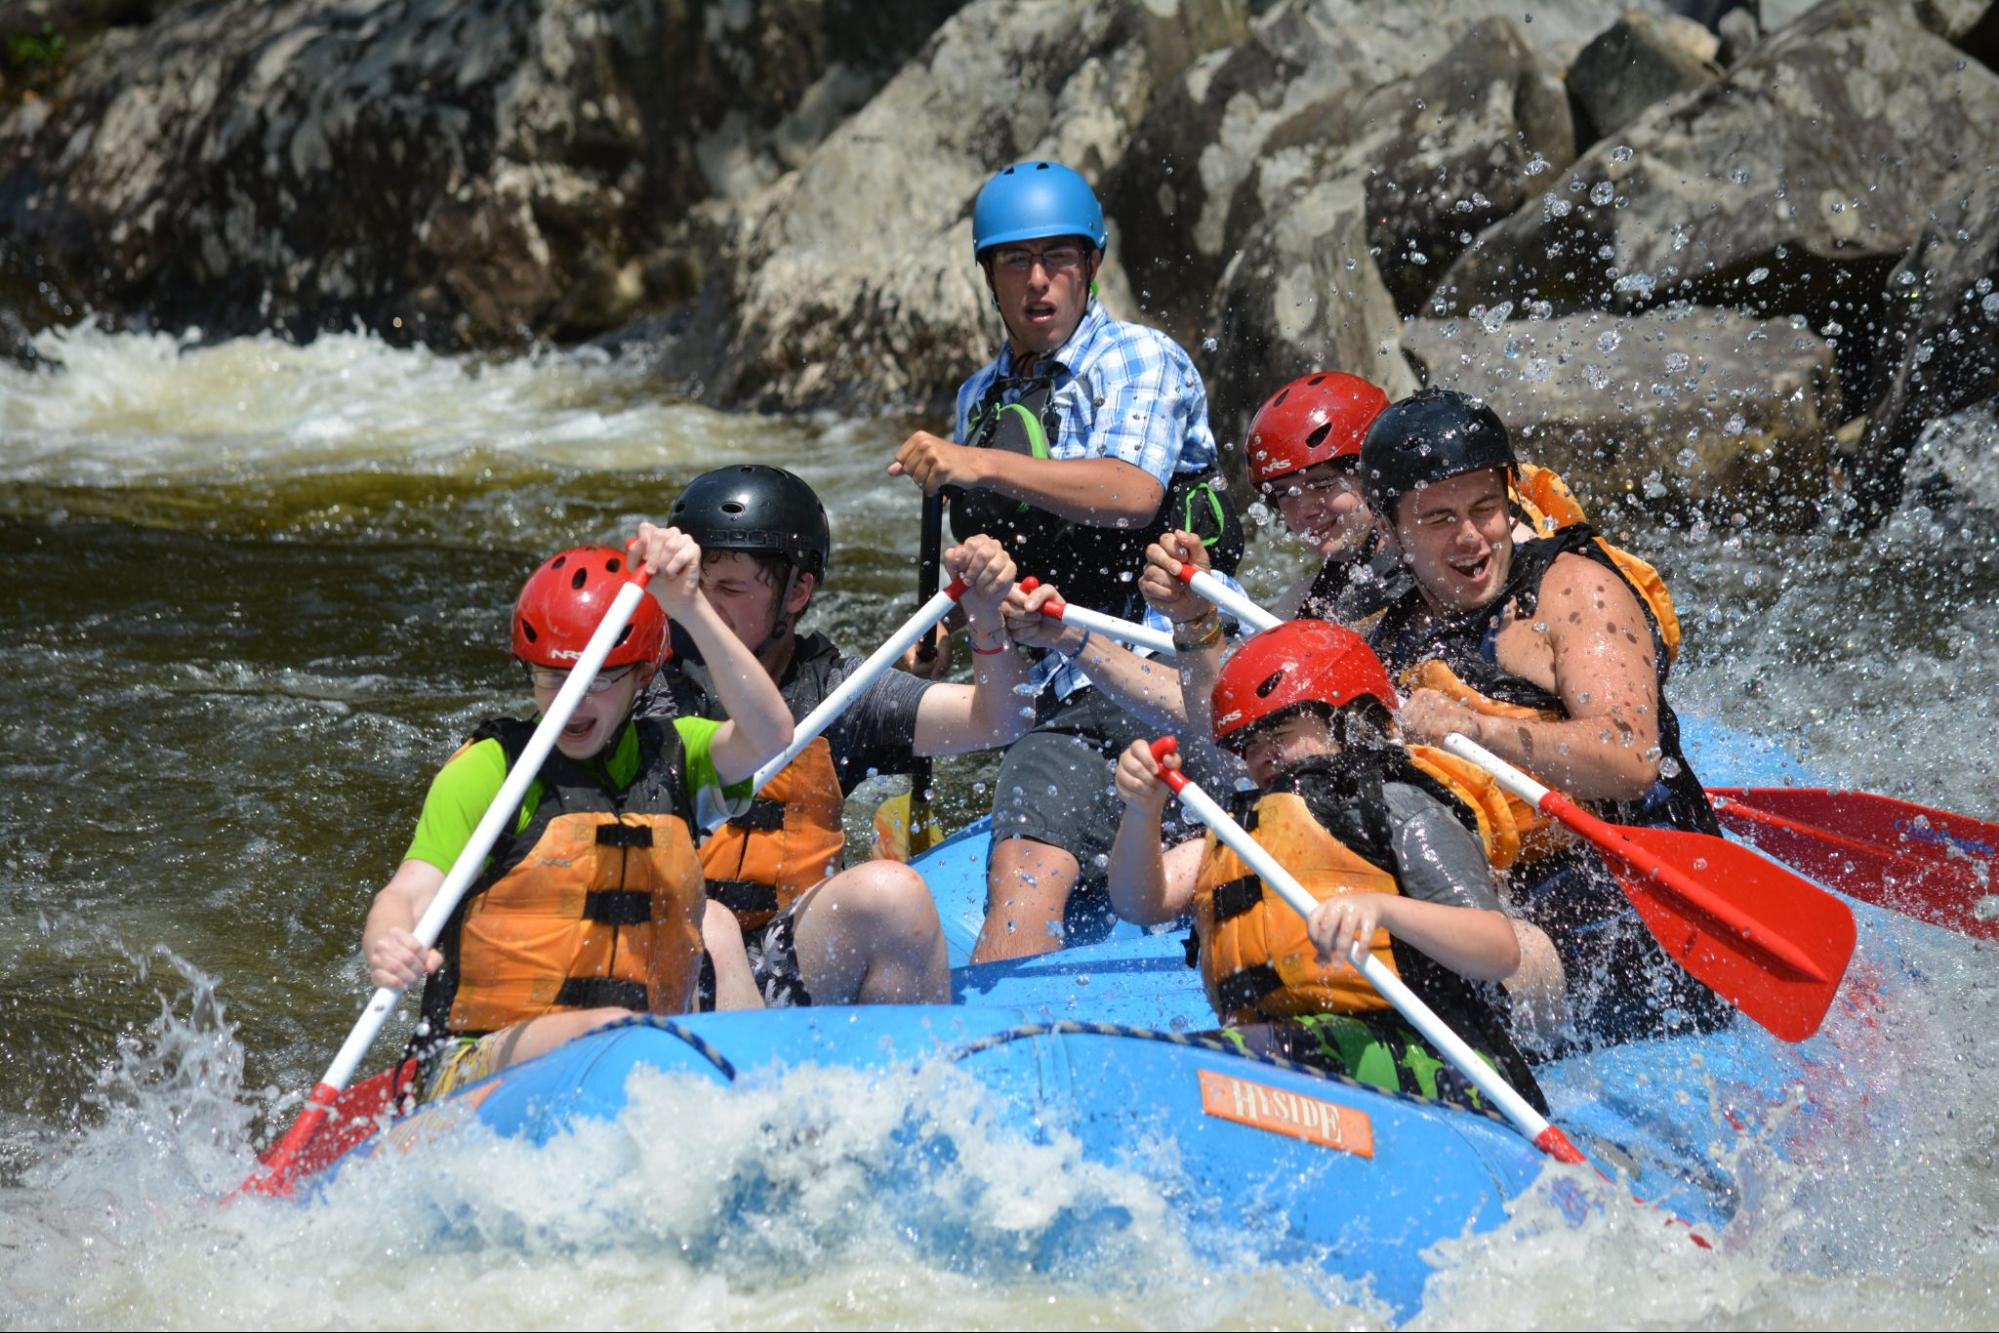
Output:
x,y
1053,607
1172,777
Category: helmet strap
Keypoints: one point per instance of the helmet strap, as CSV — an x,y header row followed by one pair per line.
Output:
x,y
783,621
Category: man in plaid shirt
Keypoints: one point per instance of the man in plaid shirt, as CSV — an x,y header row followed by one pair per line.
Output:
x,y
1085,439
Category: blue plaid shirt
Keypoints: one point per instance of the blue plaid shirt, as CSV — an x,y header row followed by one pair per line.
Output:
x,y
1124,391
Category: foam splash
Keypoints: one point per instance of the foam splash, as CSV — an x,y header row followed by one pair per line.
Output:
x,y
1865,1201
130,406
823,1197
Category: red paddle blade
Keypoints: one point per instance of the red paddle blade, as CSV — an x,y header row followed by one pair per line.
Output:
x,y
1766,941
328,1127
1933,865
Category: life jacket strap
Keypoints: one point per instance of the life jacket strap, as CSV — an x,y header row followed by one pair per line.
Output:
x,y
624,835
743,895
763,816
1245,989
601,993
1237,896
617,907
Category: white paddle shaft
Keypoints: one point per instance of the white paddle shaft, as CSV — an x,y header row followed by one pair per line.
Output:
x,y
854,686
1509,777
1228,599
1139,636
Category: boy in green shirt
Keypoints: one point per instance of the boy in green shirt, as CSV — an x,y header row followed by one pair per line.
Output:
x,y
591,907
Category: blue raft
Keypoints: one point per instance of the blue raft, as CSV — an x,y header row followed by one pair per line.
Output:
x,y
1290,1165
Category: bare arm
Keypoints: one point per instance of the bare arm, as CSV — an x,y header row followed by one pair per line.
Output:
x,y
395,959
1473,942
722,936
1194,621
759,724
952,719
1146,885
1103,492
1142,685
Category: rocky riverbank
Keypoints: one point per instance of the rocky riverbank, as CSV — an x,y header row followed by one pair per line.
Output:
x,y
1689,263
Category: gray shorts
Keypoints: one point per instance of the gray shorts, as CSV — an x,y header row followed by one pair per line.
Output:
x,y
1055,785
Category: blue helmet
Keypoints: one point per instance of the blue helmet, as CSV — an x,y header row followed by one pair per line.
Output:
x,y
1031,200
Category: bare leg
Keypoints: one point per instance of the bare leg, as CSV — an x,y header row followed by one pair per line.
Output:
x,y
870,935
1027,890
538,1036
722,936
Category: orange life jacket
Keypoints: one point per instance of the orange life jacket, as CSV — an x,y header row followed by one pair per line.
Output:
x,y
1551,506
1504,820
789,839
1256,960
595,902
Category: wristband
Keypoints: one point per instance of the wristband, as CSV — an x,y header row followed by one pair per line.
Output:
x,y
1073,653
972,637
1208,639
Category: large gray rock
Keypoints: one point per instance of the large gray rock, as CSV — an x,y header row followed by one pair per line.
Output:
x,y
1355,204
1691,405
1325,75
1641,59
853,284
1939,349
461,172
1790,185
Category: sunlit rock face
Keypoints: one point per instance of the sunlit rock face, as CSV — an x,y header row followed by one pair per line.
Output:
x,y
853,283
468,174
768,205
1792,185
1683,405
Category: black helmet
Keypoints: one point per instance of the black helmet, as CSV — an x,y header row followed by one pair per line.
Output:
x,y
1429,437
758,509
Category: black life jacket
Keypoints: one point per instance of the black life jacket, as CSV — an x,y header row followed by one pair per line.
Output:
x,y
1465,643
1093,566
1351,592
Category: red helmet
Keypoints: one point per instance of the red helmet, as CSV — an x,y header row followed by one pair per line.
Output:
x,y
562,602
1298,662
1309,421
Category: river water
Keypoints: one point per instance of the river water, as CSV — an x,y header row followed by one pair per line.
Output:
x,y
255,593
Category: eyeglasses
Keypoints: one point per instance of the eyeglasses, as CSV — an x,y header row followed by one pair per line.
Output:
x,y
547,678
1055,259
1293,487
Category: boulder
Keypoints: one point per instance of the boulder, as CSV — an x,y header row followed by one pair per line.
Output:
x,y
1790,186
852,283
1939,347
464,173
1671,408
1197,169
1641,59
1354,205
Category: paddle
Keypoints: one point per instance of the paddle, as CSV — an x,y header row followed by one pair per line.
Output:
x,y
283,1162
1763,939
1141,636
1448,1043
1227,598
904,826
864,676
1933,865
